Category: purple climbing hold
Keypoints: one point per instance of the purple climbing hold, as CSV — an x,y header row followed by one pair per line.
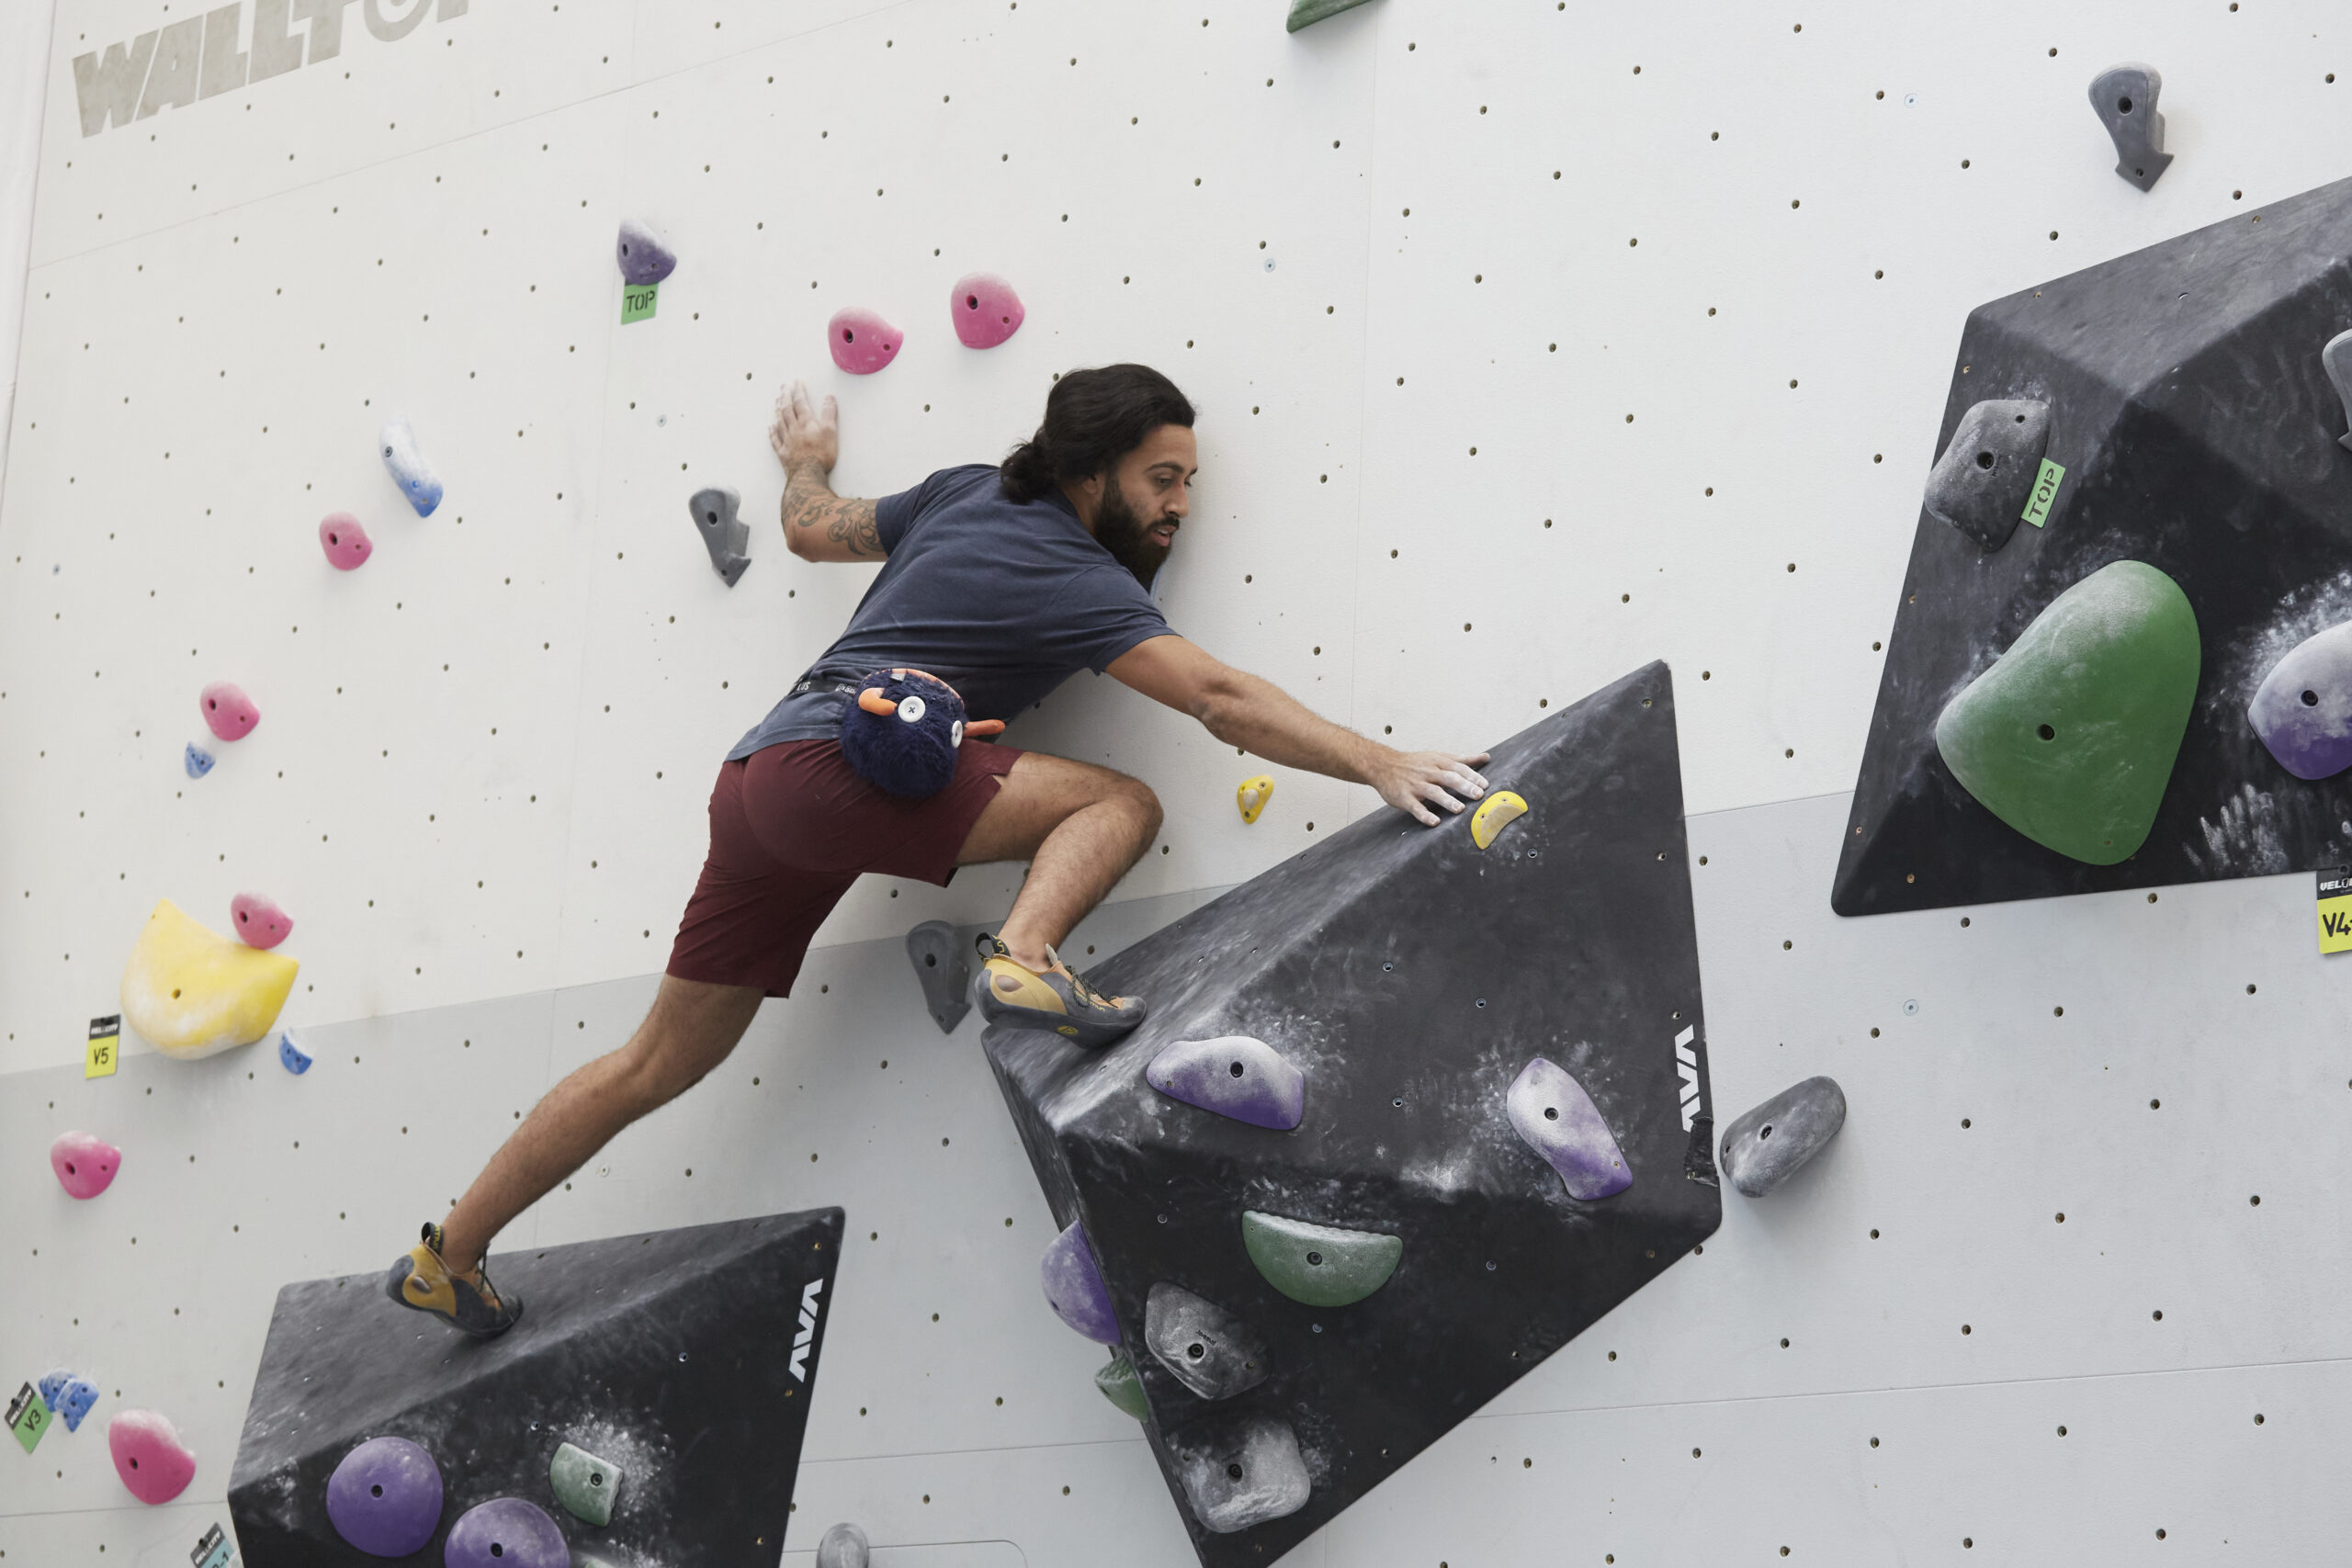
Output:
x,y
385,1499
1074,1287
505,1532
862,342
644,258
2302,710
199,761
1552,1112
1234,1076
986,310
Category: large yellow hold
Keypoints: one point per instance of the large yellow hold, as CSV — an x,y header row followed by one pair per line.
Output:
x,y
190,992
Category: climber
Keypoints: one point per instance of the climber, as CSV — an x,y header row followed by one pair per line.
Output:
x,y
1003,581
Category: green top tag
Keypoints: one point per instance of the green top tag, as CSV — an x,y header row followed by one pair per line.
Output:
x,y
2045,493
638,303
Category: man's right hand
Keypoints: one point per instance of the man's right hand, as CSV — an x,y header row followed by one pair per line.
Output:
x,y
805,433
1406,779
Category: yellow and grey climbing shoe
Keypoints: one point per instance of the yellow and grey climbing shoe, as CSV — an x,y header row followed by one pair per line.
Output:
x,y
1055,1000
421,1280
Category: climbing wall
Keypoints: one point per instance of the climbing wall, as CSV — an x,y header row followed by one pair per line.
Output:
x,y
1532,342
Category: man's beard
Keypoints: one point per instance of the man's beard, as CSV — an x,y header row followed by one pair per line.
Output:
x,y
1125,535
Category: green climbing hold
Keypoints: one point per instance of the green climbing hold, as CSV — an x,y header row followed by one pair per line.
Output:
x,y
1320,1265
2070,737
1120,1385
584,1484
1305,12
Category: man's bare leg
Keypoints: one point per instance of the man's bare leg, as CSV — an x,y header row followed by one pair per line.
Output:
x,y
690,1028
1081,829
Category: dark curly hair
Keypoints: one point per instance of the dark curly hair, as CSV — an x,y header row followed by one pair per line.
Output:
x,y
1093,418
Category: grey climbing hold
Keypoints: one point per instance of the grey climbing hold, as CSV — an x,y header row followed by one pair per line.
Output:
x,y
2336,360
1241,1473
199,761
643,257
1211,1351
1982,482
946,973
1767,1145
584,1483
724,534
2124,97
1234,1076
844,1546
1304,13
1117,1381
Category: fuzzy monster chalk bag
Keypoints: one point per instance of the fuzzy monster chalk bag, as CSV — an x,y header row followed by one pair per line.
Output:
x,y
901,733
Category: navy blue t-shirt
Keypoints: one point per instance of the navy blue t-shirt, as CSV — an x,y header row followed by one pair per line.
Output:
x,y
1002,600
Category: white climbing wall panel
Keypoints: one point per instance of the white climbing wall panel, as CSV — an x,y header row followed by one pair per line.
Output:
x,y
1518,365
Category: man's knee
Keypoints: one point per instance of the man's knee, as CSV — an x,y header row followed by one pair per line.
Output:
x,y
1139,797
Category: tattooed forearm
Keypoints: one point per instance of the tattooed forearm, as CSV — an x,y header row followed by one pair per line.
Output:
x,y
812,510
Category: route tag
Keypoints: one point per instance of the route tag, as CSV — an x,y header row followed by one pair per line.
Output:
x,y
2045,493
213,1551
636,303
2335,907
28,1418
105,1048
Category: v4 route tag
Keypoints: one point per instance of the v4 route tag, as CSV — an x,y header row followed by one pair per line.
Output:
x,y
2335,907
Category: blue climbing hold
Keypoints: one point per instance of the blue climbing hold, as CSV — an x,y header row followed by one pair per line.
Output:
x,y
408,468
199,761
69,1396
296,1061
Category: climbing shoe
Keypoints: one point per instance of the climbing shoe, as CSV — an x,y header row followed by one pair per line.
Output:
x,y
421,1280
1055,1000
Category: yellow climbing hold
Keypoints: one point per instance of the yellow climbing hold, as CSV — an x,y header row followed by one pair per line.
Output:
x,y
1495,813
1254,796
190,992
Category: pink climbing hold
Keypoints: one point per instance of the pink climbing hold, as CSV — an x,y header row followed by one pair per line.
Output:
x,y
345,542
986,309
84,1164
149,1456
259,922
862,342
229,712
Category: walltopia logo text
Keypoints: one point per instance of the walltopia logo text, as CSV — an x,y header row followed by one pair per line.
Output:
x,y
199,58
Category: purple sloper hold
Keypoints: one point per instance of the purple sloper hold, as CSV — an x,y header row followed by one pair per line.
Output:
x,y
1550,1111
2302,710
643,257
505,1532
385,1498
1234,1076
1074,1287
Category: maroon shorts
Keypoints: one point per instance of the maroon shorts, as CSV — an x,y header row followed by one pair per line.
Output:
x,y
791,827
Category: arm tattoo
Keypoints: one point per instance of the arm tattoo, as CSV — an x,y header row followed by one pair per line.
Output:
x,y
808,502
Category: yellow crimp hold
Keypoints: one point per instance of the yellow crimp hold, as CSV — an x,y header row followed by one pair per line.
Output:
x,y
1495,813
1254,796
190,992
